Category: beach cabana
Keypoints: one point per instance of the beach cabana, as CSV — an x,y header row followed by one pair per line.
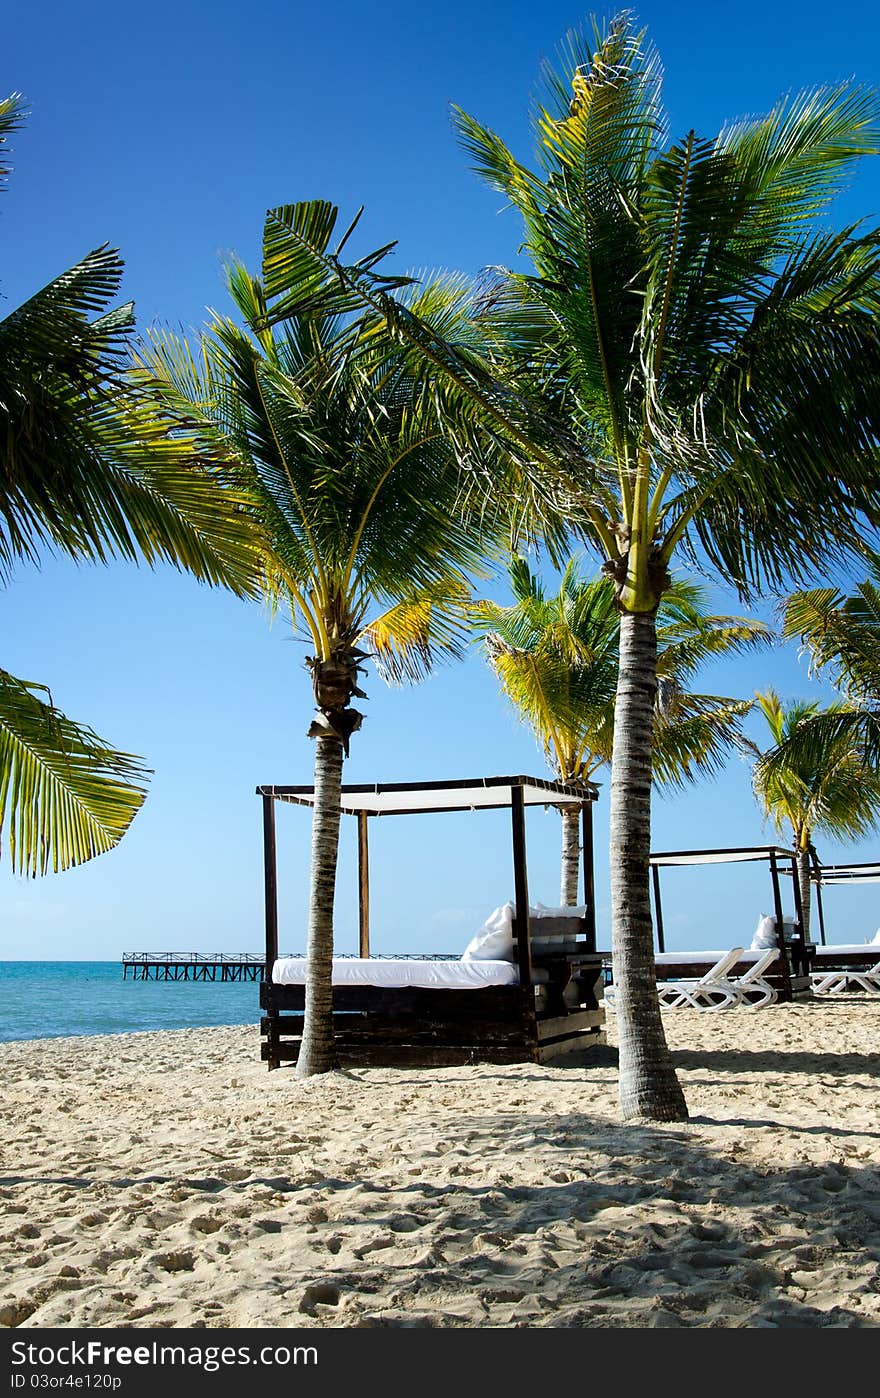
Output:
x,y
542,1003
790,974
851,959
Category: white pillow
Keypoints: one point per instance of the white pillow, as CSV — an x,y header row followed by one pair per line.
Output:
x,y
494,941
765,934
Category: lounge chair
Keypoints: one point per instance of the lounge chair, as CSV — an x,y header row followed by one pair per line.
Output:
x,y
713,991
838,982
752,990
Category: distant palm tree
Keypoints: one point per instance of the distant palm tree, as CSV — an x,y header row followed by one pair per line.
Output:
x,y
556,659
352,474
842,635
85,473
825,786
691,366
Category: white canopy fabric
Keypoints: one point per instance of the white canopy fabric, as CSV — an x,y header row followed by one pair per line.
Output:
x,y
480,793
720,856
849,873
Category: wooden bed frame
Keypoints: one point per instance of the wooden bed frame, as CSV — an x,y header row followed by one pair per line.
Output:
x,y
433,1027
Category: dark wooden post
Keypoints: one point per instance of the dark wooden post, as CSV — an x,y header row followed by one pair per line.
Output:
x,y
521,887
363,884
589,878
658,909
780,927
270,874
800,943
271,882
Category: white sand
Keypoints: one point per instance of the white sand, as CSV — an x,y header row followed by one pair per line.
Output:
x,y
136,1190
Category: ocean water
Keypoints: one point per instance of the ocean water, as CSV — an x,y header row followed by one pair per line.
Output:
x,y
52,999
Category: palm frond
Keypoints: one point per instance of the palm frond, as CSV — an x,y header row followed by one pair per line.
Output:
x,y
842,634
86,467
409,638
12,116
791,162
65,794
694,736
529,435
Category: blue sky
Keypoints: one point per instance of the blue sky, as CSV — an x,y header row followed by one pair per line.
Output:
x,y
167,131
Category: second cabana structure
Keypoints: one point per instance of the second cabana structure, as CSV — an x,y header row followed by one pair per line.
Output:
x,y
532,996
790,974
841,967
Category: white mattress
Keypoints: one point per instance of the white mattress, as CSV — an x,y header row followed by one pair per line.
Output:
x,y
868,949
391,972
688,958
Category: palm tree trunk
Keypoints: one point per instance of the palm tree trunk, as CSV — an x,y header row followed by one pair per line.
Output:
x,y
649,1089
318,1051
571,854
803,868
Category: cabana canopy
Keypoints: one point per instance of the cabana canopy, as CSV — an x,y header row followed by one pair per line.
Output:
x,y
846,873
720,856
828,875
422,798
418,798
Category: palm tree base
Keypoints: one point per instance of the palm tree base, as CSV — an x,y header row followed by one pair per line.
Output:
x,y
311,1067
665,1102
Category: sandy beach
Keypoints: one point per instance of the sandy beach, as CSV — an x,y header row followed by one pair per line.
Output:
x,y
168,1179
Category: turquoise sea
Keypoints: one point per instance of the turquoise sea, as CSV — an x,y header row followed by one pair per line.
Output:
x,y
51,999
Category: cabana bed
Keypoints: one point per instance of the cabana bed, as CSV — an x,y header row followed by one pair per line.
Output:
x,y
790,974
544,1002
852,957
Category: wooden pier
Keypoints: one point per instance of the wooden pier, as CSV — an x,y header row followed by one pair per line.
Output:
x,y
224,966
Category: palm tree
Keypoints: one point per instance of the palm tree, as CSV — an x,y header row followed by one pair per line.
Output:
x,y
84,472
352,476
556,659
824,786
842,635
690,368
